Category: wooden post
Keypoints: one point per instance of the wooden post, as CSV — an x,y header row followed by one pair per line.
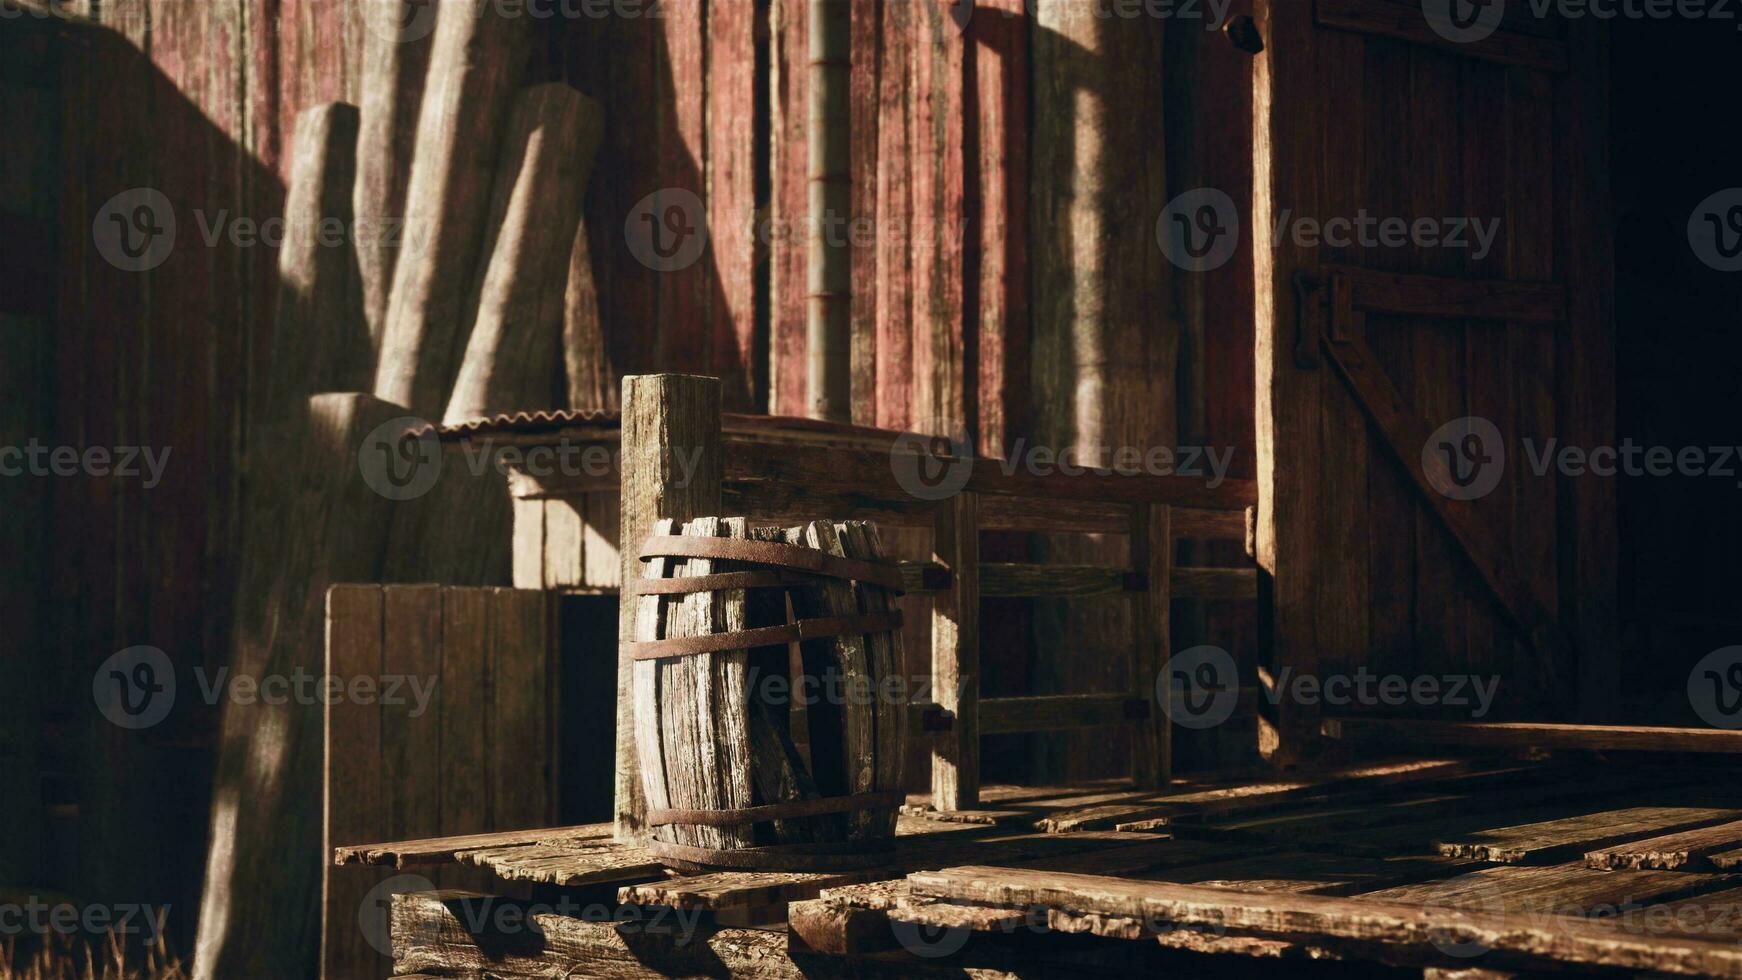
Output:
x,y
475,65
395,64
1152,557
955,654
672,463
319,342
534,214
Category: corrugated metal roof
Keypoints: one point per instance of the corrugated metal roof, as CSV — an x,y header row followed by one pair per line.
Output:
x,y
521,422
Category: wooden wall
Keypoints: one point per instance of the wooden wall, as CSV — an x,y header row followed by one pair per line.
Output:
x,y
197,99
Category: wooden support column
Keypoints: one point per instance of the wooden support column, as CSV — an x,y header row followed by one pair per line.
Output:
x,y
672,463
955,654
1152,557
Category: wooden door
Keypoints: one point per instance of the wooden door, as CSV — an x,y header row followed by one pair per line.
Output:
x,y
1376,553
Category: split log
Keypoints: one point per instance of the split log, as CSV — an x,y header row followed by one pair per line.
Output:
x,y
318,341
265,828
591,378
476,62
534,215
460,532
395,63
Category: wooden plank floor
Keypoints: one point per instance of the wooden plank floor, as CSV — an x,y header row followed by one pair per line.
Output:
x,y
1424,865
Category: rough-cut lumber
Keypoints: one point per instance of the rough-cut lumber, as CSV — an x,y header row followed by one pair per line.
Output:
x,y
672,462
1553,840
352,754
394,65
547,159
319,340
1403,931
1542,735
1562,889
956,654
266,840
1690,848
441,850
475,62
438,934
588,369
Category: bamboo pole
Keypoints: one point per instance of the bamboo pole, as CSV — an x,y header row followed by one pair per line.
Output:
x,y
829,310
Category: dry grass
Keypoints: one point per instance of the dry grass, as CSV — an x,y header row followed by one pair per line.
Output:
x,y
63,958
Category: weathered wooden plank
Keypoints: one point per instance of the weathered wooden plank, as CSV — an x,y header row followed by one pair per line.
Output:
x,y
1552,840
522,768
270,847
534,212
843,735
319,339
1399,929
395,63
956,654
1543,735
941,844
1565,889
476,59
566,863
702,704
671,469
1152,554
441,850
353,752
1690,848
886,658
468,727
410,740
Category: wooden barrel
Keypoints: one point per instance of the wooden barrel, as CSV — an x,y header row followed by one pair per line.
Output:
x,y
770,713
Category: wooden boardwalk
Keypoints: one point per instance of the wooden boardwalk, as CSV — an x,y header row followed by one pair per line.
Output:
x,y
1421,865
